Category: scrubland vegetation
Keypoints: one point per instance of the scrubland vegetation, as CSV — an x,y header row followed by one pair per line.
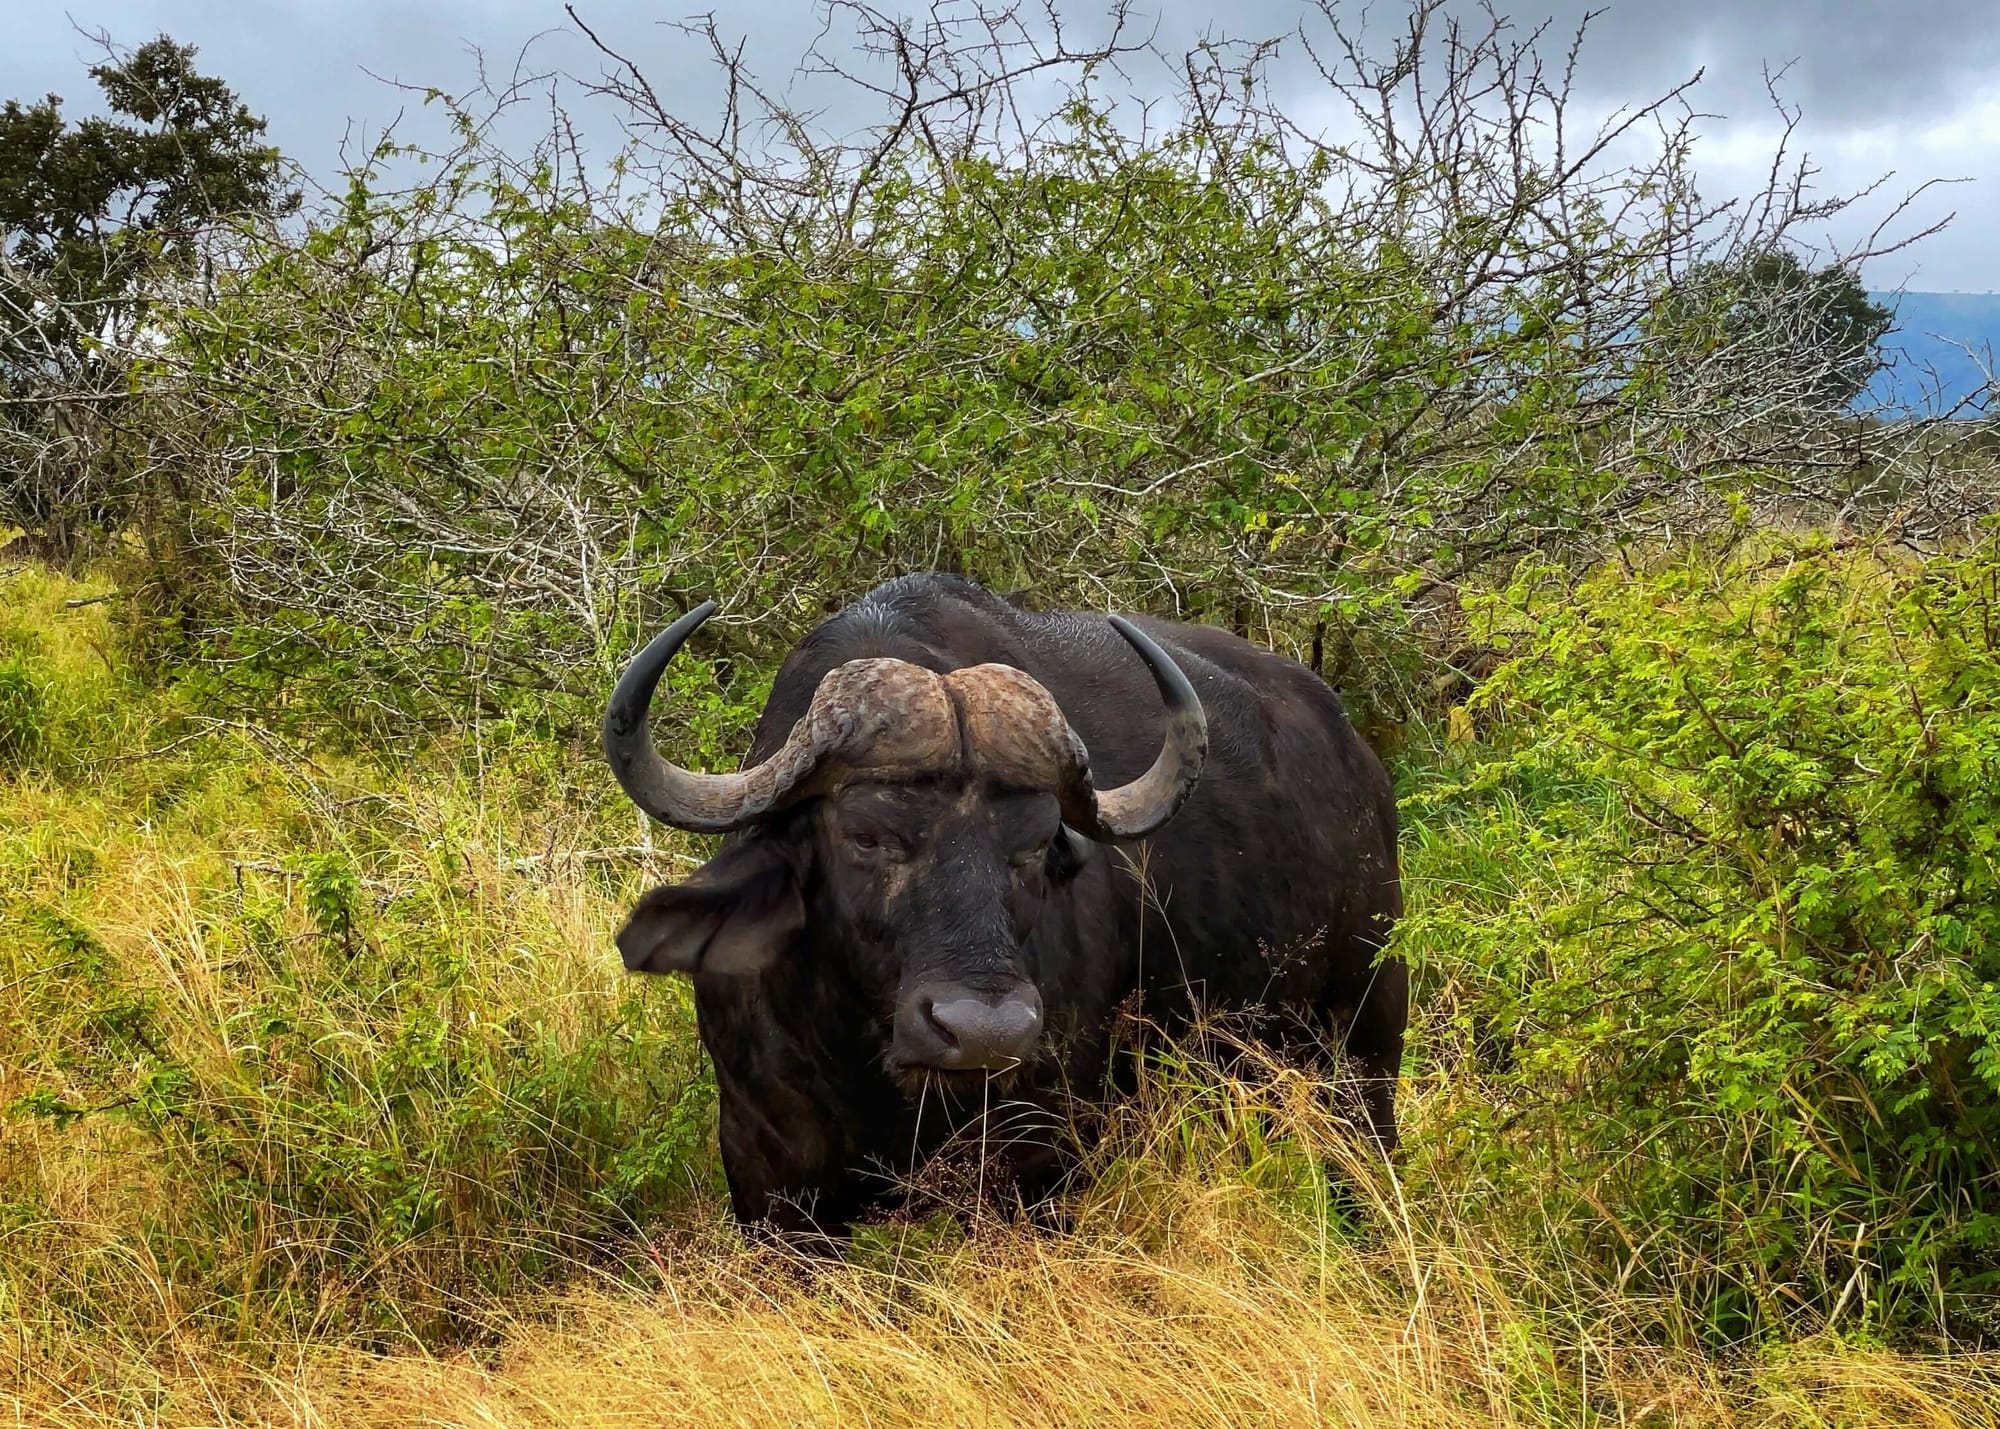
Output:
x,y
325,1098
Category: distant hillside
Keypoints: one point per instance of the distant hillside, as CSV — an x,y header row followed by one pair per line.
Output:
x,y
1940,351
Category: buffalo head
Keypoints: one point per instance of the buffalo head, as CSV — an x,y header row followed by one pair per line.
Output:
x,y
913,822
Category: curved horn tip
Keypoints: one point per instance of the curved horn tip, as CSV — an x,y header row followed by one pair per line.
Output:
x,y
625,712
1135,810
699,803
1167,674
689,623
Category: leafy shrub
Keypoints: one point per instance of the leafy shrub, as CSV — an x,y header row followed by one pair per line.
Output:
x,y
1724,930
780,423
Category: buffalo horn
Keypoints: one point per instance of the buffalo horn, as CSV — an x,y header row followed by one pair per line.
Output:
x,y
699,803
1134,810
718,803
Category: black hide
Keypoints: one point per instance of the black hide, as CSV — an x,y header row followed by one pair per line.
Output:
x,y
1273,887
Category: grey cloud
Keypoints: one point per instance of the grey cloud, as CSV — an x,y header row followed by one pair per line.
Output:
x,y
1847,59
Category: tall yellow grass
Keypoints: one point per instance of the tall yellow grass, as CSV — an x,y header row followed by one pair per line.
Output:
x,y
1234,1318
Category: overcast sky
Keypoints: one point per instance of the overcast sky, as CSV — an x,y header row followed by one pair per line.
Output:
x,y
1884,87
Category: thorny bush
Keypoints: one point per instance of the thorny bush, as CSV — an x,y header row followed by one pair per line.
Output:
x,y
1724,938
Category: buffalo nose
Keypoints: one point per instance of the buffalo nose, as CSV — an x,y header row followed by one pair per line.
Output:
x,y
979,1031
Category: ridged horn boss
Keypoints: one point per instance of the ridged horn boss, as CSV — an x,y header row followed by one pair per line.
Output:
x,y
885,718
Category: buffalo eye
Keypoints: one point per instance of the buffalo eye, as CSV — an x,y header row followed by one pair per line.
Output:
x,y
874,843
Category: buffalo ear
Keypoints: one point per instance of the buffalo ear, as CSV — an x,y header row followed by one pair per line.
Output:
x,y
1068,854
734,914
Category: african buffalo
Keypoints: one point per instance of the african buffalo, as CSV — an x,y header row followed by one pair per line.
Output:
x,y
966,833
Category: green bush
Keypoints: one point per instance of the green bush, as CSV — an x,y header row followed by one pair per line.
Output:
x,y
638,420
1722,930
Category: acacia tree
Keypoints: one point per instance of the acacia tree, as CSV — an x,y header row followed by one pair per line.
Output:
x,y
1809,335
95,216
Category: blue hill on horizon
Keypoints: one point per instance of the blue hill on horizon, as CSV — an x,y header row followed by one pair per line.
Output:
x,y
1940,351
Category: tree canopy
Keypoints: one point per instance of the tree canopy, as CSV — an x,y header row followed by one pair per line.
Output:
x,y
88,210
1815,327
